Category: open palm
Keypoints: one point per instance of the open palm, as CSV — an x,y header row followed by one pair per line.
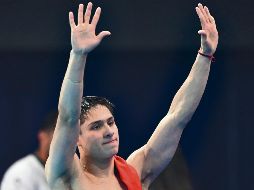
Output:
x,y
83,37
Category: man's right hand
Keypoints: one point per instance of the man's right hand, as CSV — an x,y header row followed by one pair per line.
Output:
x,y
83,37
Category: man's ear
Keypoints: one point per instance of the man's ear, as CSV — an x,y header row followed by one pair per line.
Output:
x,y
79,141
79,138
41,136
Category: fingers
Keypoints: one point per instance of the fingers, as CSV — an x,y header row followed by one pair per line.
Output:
x,y
210,17
88,12
204,15
202,9
201,16
81,17
71,20
96,17
80,14
85,18
103,34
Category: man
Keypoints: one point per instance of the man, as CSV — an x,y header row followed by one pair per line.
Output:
x,y
28,172
92,128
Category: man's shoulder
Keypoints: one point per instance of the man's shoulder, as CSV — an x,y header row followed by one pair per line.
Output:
x,y
25,173
23,165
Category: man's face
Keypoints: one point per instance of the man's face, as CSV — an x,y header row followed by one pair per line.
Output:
x,y
99,134
45,138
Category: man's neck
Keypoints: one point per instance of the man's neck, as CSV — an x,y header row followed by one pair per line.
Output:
x,y
99,168
41,157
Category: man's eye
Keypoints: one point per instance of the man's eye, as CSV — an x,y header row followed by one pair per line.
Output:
x,y
110,123
96,127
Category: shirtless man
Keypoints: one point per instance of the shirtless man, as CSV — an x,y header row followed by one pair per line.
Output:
x,y
89,123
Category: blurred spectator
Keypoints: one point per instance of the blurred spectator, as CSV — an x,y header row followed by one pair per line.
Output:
x,y
28,173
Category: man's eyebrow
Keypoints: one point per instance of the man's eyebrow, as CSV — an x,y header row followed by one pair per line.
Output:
x,y
101,121
96,122
110,118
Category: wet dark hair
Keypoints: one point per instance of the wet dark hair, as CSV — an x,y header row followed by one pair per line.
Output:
x,y
89,102
49,122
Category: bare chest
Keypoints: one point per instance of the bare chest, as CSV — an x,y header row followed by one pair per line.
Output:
x,y
84,183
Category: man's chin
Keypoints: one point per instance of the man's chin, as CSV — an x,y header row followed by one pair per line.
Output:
x,y
112,152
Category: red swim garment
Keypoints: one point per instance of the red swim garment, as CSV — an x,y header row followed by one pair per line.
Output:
x,y
127,174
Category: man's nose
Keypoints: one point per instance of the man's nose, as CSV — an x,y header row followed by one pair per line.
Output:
x,y
108,131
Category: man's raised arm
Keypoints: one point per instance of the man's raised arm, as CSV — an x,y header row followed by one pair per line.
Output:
x,y
62,150
152,158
